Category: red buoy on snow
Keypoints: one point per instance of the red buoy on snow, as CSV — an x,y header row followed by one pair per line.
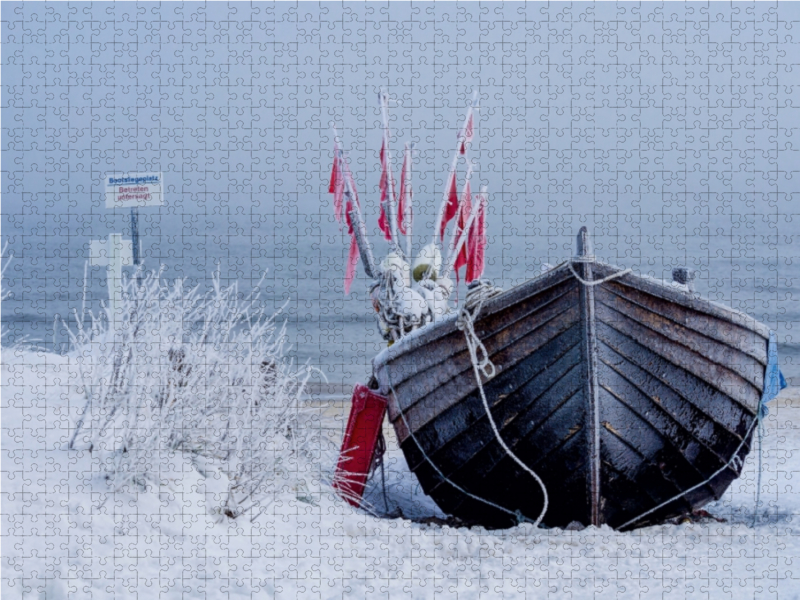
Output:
x,y
358,446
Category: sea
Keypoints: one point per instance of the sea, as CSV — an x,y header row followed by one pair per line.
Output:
x,y
672,155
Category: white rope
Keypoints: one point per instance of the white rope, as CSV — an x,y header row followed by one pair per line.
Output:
x,y
477,295
518,515
599,281
758,485
466,323
734,459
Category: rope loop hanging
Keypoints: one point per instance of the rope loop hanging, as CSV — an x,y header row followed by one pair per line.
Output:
x,y
479,292
598,281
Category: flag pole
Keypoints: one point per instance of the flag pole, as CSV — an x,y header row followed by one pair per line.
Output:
x,y
362,242
445,195
347,188
463,237
360,231
392,207
356,218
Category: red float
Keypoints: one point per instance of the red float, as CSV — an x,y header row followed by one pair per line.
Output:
x,y
360,440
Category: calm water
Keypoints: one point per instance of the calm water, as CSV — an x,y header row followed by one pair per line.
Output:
x,y
672,154
338,334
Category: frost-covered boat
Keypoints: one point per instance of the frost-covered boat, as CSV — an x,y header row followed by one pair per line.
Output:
x,y
632,399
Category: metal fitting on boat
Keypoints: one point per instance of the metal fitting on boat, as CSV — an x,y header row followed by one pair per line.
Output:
x,y
684,276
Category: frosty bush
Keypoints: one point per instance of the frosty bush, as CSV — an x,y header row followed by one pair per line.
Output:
x,y
204,376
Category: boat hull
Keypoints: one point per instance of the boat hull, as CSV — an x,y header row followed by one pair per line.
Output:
x,y
619,395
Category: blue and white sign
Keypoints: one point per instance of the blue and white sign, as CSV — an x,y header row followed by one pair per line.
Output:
x,y
134,190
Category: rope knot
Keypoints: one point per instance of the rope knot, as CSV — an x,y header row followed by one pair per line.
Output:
x,y
478,292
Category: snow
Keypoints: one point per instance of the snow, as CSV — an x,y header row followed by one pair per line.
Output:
x,y
68,534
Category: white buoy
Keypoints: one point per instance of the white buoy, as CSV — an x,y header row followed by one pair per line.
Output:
x,y
394,262
428,261
436,295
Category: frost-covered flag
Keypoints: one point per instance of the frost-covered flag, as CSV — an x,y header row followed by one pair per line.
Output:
x,y
386,173
463,218
342,185
352,203
404,210
476,242
451,208
336,186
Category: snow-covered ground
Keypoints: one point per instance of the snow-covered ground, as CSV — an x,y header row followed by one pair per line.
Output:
x,y
66,535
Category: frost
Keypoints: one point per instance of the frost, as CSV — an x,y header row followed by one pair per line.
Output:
x,y
199,375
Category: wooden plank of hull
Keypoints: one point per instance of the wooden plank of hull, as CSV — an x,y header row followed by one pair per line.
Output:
x,y
700,305
729,334
448,358
685,345
726,380
695,431
519,492
464,427
436,344
667,414
643,448
505,355
491,475
673,387
701,310
555,391
514,411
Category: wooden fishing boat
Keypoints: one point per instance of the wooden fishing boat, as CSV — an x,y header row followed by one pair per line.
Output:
x,y
622,393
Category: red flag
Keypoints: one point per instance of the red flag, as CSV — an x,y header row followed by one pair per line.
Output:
x,y
477,241
334,169
463,217
336,186
353,254
352,200
403,219
451,208
465,135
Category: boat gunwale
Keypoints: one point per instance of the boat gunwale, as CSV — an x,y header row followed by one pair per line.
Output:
x,y
672,292
447,325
